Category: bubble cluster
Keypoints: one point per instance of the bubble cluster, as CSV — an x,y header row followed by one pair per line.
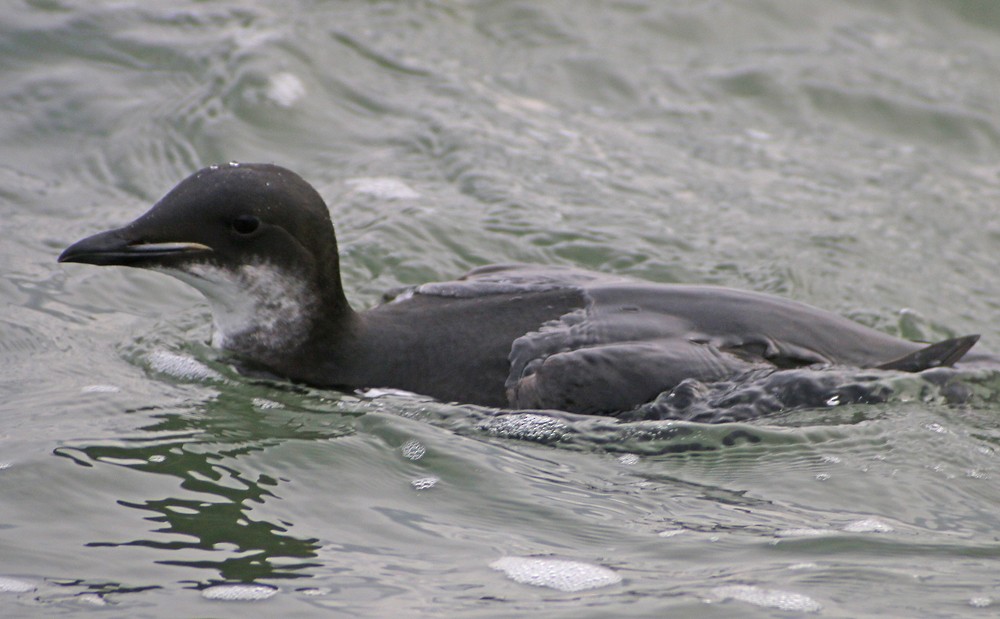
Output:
x,y
767,598
559,574
424,483
413,450
526,427
180,366
238,593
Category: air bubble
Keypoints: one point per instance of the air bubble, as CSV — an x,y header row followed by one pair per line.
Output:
x,y
413,450
424,483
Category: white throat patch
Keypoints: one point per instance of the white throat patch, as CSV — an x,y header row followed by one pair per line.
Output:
x,y
259,301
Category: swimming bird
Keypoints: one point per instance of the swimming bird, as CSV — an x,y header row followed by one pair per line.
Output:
x,y
258,242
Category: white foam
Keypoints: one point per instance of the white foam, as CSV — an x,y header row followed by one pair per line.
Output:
x,y
803,566
803,532
100,389
285,89
238,593
383,188
559,574
181,366
868,525
767,598
14,585
378,392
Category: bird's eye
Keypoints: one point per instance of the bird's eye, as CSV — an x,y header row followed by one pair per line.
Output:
x,y
246,224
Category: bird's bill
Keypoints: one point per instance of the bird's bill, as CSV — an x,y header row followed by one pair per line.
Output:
x,y
114,248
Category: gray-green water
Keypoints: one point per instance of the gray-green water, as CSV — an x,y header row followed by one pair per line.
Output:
x,y
842,153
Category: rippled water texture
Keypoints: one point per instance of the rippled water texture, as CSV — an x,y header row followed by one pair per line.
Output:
x,y
840,153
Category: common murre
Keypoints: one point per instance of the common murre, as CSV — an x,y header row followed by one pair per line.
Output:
x,y
257,241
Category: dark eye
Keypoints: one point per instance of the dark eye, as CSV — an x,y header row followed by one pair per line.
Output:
x,y
246,224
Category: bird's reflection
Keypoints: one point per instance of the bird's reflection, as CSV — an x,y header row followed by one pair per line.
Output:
x,y
202,448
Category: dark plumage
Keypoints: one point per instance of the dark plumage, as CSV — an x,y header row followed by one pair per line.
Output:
x,y
258,242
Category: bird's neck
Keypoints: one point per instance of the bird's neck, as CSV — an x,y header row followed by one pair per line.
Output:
x,y
262,312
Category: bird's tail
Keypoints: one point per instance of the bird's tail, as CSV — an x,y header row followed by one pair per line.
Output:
x,y
941,354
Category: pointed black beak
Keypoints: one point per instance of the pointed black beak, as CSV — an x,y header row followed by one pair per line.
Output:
x,y
114,248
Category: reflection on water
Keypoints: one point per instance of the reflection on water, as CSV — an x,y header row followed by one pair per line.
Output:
x,y
202,448
841,154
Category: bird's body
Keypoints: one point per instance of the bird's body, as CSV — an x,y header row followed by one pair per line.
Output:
x,y
258,242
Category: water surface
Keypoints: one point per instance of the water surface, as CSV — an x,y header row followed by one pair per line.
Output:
x,y
843,154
